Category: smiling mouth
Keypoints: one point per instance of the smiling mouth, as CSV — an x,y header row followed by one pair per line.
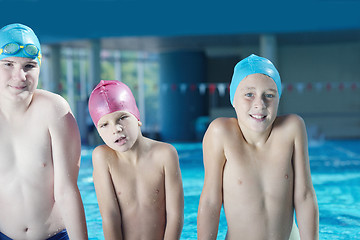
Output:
x,y
18,87
258,117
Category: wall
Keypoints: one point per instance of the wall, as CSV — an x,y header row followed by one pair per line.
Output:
x,y
330,75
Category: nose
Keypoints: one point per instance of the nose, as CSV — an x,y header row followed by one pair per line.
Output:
x,y
260,102
19,74
118,128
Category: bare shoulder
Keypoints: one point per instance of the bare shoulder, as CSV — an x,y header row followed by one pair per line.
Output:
x,y
52,102
291,123
220,131
162,154
223,125
101,155
292,120
163,150
101,151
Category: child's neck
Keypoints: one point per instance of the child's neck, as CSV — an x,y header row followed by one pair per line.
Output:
x,y
256,139
14,109
136,152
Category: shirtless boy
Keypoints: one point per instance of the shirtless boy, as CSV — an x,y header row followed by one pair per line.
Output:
x,y
137,180
39,148
257,165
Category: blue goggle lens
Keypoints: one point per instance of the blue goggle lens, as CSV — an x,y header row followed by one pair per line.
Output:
x,y
31,49
11,48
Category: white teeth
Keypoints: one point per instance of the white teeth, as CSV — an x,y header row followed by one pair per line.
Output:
x,y
257,116
120,138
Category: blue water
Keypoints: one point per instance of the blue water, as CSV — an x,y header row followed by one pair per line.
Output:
x,y
335,169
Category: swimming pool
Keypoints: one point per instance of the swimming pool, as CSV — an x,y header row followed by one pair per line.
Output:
x,y
335,168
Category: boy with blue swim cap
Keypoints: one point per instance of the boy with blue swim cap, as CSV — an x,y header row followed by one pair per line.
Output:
x,y
257,165
251,65
39,148
18,40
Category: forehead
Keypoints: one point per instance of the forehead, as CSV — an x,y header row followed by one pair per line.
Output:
x,y
257,80
20,60
113,115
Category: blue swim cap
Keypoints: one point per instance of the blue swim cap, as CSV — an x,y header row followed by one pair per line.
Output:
x,y
251,65
21,34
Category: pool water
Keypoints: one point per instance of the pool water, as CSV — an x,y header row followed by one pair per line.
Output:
x,y
335,169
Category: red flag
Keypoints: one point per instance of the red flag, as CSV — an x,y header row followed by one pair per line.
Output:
x,y
212,88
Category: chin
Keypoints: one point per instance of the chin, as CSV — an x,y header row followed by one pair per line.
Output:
x,y
123,148
118,148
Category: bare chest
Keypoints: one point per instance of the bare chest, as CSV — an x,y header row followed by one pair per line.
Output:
x,y
269,169
24,148
141,186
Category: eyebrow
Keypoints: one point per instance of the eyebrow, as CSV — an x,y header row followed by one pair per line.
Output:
x,y
10,61
32,61
254,88
5,60
272,89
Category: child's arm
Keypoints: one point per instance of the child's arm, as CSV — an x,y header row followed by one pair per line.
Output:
x,y
66,149
174,195
307,212
211,196
107,199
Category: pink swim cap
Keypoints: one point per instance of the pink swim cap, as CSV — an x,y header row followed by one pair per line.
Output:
x,y
111,96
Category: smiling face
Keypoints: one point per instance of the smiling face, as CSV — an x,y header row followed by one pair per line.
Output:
x,y
256,102
119,130
18,78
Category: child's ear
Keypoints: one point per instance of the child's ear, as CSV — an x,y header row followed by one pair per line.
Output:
x,y
139,123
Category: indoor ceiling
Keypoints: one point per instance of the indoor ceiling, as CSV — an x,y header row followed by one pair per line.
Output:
x,y
160,25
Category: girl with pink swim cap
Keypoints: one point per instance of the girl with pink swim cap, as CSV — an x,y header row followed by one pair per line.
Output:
x,y
137,180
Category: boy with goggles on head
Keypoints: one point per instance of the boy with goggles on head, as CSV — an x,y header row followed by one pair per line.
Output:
x,y
257,165
39,148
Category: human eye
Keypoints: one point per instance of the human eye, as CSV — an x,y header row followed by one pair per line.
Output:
x,y
123,117
269,95
7,64
30,66
102,125
249,94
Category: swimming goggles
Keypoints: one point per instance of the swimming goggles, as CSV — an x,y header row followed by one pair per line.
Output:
x,y
30,50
